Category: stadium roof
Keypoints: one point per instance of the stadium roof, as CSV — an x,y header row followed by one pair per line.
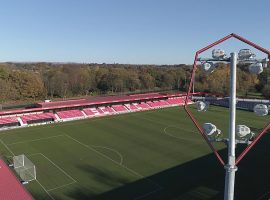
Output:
x,y
105,99
99,100
10,187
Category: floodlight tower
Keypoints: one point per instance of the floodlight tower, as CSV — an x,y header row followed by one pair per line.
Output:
x,y
255,66
245,56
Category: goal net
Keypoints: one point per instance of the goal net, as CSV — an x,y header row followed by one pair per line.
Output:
x,y
24,168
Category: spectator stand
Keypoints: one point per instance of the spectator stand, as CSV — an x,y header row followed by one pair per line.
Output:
x,y
60,111
69,115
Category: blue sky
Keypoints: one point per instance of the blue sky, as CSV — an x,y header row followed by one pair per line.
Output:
x,y
125,31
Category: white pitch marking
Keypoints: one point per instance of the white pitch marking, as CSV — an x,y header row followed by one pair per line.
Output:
x,y
45,190
62,186
113,150
180,138
7,147
105,156
36,179
26,141
73,180
34,154
58,168
166,133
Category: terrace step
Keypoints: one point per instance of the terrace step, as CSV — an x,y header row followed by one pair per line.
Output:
x,y
84,113
21,122
57,117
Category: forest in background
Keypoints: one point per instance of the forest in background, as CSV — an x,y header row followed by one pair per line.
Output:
x,y
38,81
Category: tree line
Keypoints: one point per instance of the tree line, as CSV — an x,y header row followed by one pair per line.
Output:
x,y
38,81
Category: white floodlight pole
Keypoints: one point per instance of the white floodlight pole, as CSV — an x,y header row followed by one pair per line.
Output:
x,y
231,167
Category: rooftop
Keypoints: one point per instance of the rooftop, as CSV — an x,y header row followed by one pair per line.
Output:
x,y
10,187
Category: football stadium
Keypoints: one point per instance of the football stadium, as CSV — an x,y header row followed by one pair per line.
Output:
x,y
123,147
134,100
152,145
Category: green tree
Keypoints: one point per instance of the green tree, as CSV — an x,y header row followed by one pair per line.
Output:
x,y
147,81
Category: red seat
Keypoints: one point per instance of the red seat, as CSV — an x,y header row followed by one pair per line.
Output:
x,y
68,114
91,112
40,116
143,106
106,110
131,107
176,101
8,120
119,108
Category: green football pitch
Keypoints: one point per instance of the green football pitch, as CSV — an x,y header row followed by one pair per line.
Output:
x,y
149,155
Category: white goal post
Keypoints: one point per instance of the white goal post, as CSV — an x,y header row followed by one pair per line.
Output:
x,y
24,168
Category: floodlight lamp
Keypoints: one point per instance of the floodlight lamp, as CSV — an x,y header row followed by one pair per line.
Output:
x,y
208,67
218,54
261,109
242,131
202,106
255,68
211,130
245,54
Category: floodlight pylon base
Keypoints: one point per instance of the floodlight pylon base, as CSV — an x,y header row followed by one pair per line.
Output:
x,y
229,181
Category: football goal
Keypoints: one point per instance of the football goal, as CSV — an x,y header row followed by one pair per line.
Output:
x,y
24,168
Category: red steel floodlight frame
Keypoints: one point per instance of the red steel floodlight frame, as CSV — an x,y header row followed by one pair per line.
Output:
x,y
192,117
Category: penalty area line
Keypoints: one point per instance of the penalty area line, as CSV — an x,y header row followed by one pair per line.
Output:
x,y
59,168
45,190
159,187
35,179
117,163
26,141
7,147
62,186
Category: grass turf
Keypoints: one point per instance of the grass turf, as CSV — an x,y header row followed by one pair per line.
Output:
x,y
147,155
